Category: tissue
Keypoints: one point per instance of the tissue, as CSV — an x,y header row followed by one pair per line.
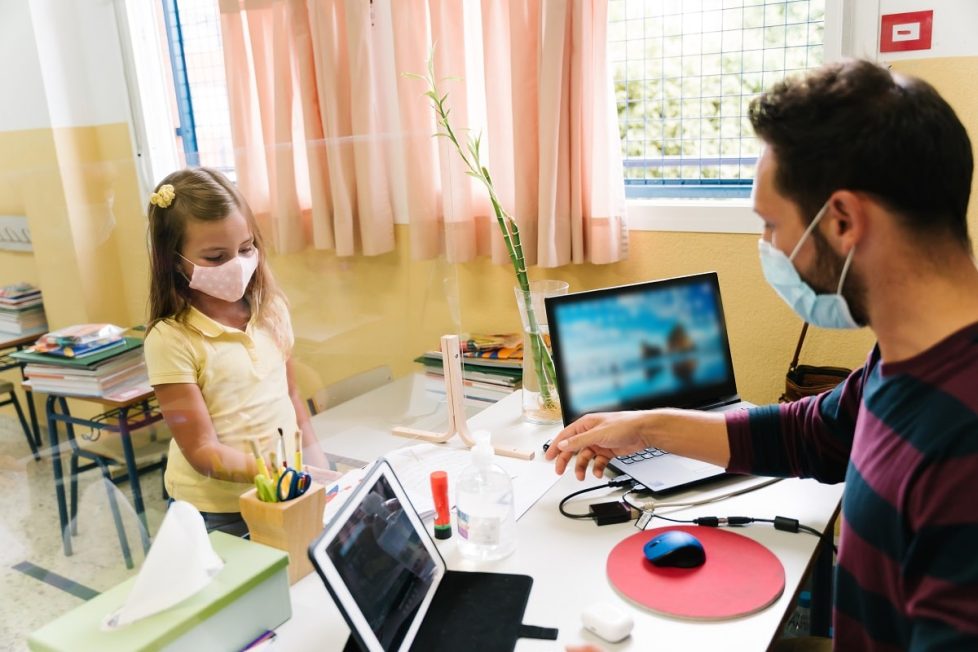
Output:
x,y
180,563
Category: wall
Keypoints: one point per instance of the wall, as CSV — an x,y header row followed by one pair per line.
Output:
x,y
66,162
363,312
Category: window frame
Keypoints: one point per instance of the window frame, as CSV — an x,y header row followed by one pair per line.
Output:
x,y
845,22
851,29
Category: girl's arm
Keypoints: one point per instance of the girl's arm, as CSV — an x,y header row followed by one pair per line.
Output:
x,y
186,415
312,453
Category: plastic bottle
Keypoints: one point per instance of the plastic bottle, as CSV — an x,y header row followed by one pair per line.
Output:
x,y
800,622
484,504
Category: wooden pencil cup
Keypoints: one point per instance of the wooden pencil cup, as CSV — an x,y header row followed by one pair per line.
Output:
x,y
290,526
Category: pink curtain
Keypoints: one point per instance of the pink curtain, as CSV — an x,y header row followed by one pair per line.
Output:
x,y
334,144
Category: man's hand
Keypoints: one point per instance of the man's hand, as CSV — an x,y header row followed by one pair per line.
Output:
x,y
597,438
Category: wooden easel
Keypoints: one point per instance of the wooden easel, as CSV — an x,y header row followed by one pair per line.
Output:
x,y
452,363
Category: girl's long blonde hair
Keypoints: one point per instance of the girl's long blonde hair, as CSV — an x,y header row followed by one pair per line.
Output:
x,y
206,195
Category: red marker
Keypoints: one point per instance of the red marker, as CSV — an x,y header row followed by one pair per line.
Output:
x,y
443,518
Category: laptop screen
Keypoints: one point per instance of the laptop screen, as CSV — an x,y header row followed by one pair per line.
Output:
x,y
383,563
648,345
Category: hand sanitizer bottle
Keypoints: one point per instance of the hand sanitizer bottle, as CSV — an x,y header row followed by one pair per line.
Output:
x,y
484,504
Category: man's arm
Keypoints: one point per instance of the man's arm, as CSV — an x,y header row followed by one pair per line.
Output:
x,y
808,438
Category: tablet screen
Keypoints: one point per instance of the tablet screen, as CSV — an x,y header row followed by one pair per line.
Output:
x,y
385,570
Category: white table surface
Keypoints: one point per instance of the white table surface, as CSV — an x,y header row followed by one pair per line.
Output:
x,y
566,558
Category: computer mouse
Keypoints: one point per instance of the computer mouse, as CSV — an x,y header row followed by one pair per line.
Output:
x,y
676,549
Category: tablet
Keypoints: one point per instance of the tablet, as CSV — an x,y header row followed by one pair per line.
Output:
x,y
378,563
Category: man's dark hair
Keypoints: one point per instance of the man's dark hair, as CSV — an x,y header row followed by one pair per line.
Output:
x,y
855,126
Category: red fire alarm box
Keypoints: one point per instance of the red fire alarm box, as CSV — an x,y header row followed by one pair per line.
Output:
x,y
907,31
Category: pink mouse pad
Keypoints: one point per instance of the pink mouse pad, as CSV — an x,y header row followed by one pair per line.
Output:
x,y
739,577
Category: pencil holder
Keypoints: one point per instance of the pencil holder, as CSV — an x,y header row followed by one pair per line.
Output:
x,y
290,526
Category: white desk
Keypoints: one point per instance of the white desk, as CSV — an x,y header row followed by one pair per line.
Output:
x,y
566,558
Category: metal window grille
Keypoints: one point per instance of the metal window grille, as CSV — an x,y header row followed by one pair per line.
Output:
x,y
193,33
685,72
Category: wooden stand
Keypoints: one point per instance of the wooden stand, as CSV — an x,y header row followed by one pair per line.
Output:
x,y
290,526
452,362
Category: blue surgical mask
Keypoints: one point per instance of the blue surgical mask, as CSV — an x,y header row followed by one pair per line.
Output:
x,y
825,310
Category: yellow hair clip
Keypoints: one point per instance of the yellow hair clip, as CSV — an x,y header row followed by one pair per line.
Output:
x,y
163,197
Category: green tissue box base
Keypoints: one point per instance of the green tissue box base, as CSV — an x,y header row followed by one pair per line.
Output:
x,y
249,596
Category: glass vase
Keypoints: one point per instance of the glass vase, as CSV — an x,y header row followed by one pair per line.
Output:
x,y
540,401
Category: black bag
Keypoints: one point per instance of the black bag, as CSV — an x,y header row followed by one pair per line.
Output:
x,y
809,380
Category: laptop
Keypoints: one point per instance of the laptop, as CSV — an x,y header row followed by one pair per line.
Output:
x,y
391,584
648,345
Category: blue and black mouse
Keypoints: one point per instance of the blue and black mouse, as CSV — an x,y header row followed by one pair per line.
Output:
x,y
676,549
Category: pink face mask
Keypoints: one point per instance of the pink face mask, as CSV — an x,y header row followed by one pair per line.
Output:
x,y
227,281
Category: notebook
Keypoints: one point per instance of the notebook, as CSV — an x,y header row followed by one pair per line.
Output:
x,y
390,582
649,345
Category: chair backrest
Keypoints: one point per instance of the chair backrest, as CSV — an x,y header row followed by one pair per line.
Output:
x,y
350,387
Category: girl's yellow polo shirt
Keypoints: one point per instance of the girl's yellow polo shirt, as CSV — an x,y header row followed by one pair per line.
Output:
x,y
241,375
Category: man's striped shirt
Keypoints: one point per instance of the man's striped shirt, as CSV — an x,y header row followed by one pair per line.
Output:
x,y
904,437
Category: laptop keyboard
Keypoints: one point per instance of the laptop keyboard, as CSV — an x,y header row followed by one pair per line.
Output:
x,y
646,454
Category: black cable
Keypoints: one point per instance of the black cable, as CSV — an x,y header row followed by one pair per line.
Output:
x,y
620,481
780,523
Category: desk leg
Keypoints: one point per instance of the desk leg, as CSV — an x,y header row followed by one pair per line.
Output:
x,y
59,482
32,411
822,586
137,492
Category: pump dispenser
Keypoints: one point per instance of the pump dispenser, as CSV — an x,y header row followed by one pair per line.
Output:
x,y
484,503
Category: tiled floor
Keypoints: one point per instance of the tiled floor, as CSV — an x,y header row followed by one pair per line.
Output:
x,y
29,533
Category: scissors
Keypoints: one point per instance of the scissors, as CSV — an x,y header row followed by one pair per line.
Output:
x,y
292,484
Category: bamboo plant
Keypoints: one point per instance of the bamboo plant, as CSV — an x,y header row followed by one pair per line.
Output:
x,y
470,154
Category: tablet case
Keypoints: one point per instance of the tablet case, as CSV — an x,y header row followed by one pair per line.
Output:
x,y
475,612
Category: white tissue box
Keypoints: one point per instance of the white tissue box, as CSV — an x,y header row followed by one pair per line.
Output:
x,y
249,596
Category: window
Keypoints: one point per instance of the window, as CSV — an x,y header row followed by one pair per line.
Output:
x,y
685,73
193,35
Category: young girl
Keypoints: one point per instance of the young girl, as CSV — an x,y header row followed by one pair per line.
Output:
x,y
218,346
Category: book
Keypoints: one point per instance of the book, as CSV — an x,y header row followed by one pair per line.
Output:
x,y
21,310
85,349
434,358
18,292
88,362
78,338
505,377
472,389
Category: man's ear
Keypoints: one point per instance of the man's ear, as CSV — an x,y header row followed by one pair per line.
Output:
x,y
845,224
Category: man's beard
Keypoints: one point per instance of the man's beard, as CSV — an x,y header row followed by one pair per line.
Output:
x,y
824,279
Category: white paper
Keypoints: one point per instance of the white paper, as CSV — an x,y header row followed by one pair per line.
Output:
x,y
338,492
413,466
180,563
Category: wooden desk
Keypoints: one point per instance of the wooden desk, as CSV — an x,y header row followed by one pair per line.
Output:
x,y
566,558
119,420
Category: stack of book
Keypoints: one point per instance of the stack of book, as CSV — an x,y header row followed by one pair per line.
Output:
x,y
21,310
86,360
492,366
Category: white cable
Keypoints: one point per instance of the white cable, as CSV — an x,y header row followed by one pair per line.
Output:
x,y
652,505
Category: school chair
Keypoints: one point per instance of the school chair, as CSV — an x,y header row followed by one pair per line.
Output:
x,y
103,450
350,387
7,387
